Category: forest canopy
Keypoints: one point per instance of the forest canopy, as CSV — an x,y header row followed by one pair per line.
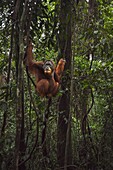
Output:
x,y
73,130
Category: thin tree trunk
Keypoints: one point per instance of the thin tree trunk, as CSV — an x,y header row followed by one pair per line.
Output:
x,y
20,136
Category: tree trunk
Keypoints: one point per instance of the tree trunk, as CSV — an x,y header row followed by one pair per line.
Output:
x,y
20,15
64,137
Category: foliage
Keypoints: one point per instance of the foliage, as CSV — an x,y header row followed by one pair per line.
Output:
x,y
92,98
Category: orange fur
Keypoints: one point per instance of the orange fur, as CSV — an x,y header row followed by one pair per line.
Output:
x,y
46,84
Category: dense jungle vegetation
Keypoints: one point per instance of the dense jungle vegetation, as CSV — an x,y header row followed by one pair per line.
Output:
x,y
73,131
